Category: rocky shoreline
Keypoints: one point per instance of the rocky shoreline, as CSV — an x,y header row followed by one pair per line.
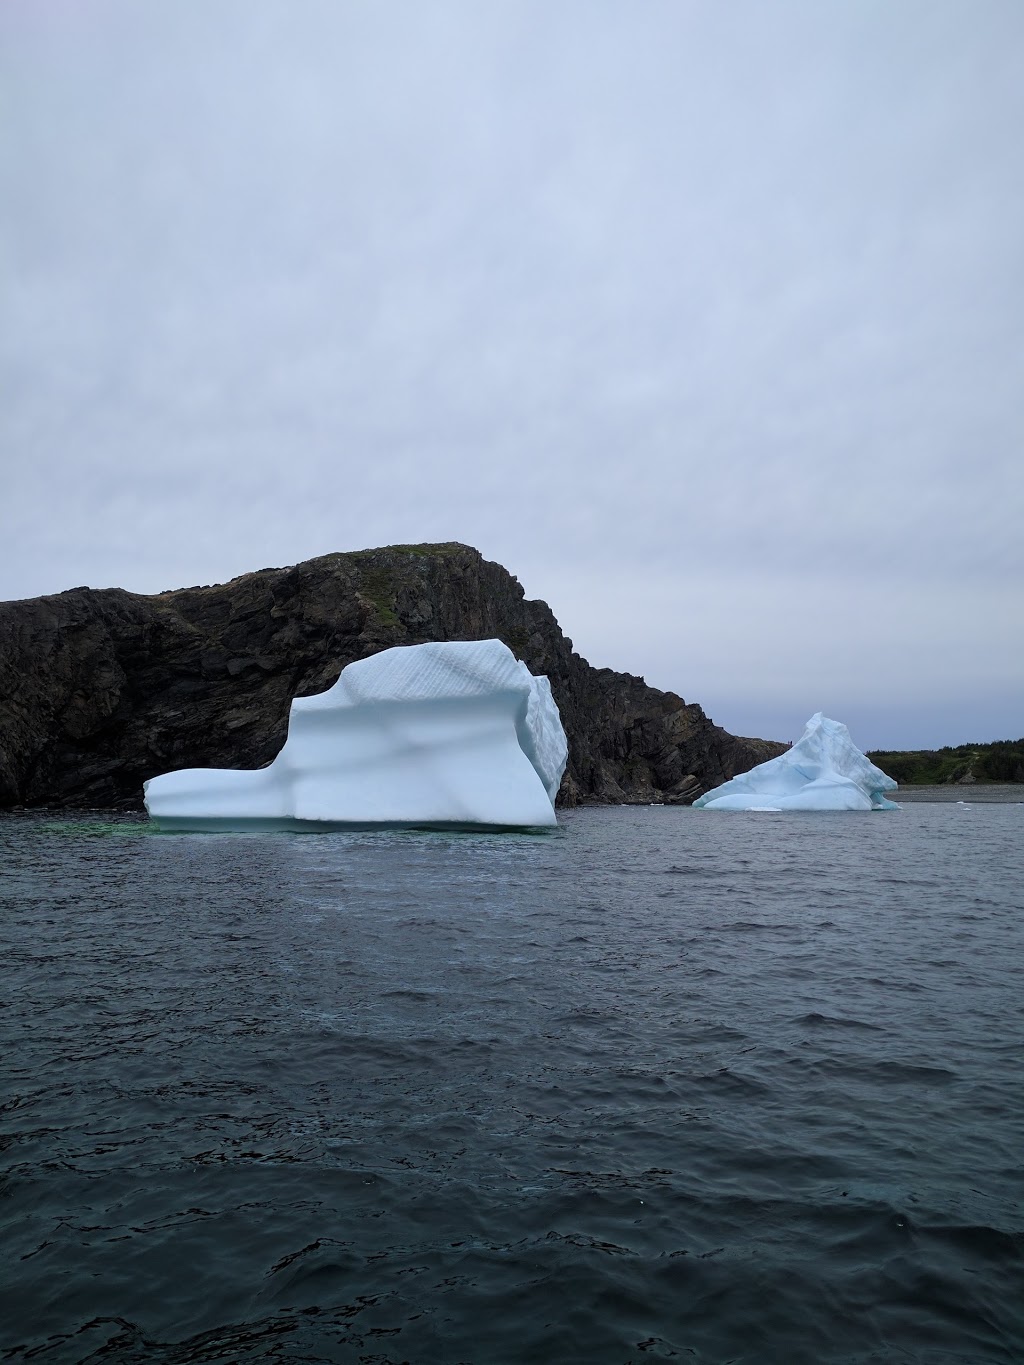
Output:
x,y
972,794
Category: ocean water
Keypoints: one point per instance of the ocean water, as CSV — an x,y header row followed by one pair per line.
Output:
x,y
662,1084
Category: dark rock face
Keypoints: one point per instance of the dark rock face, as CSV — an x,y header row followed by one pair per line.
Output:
x,y
101,689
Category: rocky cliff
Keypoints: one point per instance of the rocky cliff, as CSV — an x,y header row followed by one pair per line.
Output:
x,y
101,689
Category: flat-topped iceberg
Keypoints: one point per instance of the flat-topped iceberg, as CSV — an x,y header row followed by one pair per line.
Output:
x,y
824,770
447,734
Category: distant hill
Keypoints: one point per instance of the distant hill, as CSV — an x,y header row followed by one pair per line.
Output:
x,y
1001,761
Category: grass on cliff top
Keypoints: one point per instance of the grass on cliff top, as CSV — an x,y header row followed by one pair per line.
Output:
x,y
425,550
1002,761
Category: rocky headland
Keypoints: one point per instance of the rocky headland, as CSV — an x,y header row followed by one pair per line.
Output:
x,y
101,689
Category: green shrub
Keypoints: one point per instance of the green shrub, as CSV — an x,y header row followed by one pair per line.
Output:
x,y
1001,761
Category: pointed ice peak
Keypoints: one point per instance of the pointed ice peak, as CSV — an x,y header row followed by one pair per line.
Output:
x,y
824,770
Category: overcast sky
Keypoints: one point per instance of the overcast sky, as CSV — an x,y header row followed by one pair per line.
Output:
x,y
706,320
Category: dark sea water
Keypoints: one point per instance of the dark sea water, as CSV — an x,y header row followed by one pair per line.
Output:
x,y
663,1084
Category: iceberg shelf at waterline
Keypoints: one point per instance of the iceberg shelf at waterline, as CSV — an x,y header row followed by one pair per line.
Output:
x,y
453,735
824,770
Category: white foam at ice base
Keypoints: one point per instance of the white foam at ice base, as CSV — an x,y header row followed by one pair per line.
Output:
x,y
824,770
451,734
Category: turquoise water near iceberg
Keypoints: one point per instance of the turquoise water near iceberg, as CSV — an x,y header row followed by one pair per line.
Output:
x,y
662,1084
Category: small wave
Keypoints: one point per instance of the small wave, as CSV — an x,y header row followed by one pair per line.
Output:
x,y
988,1243
728,1080
750,926
887,1072
815,1020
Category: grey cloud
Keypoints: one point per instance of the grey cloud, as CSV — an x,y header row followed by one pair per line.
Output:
x,y
687,304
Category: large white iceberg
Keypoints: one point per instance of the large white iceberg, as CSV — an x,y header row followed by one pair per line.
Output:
x,y
824,770
447,734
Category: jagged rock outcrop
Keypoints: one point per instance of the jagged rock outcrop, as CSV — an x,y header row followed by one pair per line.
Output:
x,y
102,688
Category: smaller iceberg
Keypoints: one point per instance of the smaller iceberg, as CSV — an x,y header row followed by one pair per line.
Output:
x,y
454,735
824,770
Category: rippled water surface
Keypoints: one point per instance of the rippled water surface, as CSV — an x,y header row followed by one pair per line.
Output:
x,y
661,1084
